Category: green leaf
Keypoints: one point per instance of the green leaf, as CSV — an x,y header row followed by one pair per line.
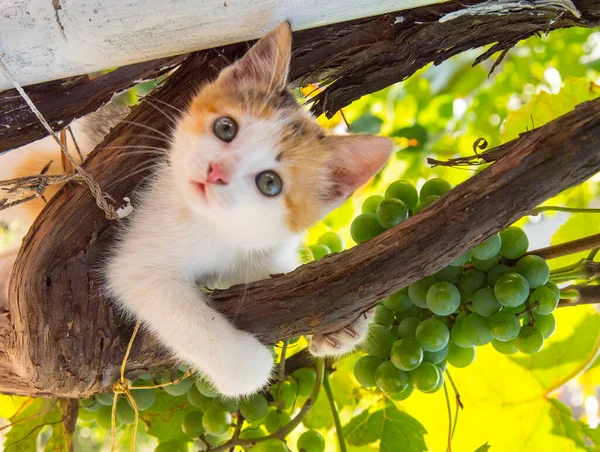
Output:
x,y
319,415
483,448
563,424
366,124
577,226
164,419
364,428
28,423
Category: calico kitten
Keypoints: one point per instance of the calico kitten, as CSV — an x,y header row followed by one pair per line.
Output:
x,y
248,170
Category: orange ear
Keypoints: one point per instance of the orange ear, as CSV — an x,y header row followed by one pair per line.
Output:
x,y
355,159
266,63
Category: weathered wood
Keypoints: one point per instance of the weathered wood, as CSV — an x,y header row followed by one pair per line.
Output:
x,y
358,57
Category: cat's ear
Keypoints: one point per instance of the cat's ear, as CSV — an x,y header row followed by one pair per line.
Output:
x,y
355,160
266,63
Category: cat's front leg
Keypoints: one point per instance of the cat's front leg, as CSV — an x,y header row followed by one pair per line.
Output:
x,y
342,341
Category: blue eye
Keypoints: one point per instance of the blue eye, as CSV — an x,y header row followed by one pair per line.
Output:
x,y
269,183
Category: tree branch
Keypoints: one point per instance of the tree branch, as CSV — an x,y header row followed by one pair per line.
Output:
x,y
564,249
587,295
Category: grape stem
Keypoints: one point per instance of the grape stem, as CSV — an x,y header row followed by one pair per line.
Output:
x,y
455,389
450,430
541,209
584,269
280,404
289,427
585,295
334,413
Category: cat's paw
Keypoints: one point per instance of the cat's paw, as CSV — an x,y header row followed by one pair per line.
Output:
x,y
343,341
246,369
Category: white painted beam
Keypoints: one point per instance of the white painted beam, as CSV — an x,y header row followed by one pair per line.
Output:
x,y
43,40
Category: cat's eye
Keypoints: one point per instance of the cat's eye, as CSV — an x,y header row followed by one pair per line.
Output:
x,y
269,183
225,128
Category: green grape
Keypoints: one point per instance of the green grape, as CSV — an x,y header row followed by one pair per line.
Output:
x,y
274,445
251,433
176,389
440,384
398,301
442,365
449,274
104,417
206,388
364,227
144,398
216,440
86,415
404,191
197,399
506,348
443,298
394,331
402,395
436,186
495,273
408,327
485,264
545,324
515,309
255,407
476,329
192,424
311,441
406,354
471,281
379,341
288,393
426,203
391,212
488,248
413,311
332,241
318,251
371,204
546,300
554,288
535,270
383,316
529,340
505,326
459,337
365,368
306,378
105,398
436,357
216,421
124,412
461,260
460,356
171,446
485,303
230,405
425,377
390,379
417,291
511,289
432,335
514,242
90,405
275,420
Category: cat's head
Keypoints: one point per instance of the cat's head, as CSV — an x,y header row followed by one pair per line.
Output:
x,y
247,156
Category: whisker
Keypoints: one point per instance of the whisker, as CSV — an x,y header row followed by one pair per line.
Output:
x,y
130,153
162,112
153,137
166,104
148,168
144,126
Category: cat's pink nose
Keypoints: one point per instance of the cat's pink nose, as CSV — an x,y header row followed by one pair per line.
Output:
x,y
217,174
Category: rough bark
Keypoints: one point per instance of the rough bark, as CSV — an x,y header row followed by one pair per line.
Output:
x,y
357,57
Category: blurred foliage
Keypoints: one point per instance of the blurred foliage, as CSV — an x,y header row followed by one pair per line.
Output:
x,y
544,402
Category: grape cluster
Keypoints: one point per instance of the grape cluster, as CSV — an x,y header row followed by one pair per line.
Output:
x,y
210,419
492,294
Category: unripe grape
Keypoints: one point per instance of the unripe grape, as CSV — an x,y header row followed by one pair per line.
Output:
x,y
436,187
426,203
251,433
461,260
398,301
306,378
529,340
391,212
440,384
496,272
449,274
459,337
436,357
124,412
104,417
371,203
432,335
476,329
408,327
417,291
554,288
311,441
176,389
514,242
379,341
413,311
144,398
402,395
506,348
255,407
425,377
504,326
511,289
546,300
319,250
192,424
274,445
406,354
515,309
443,298
365,368
216,421
383,316
545,324
390,379
90,405
216,440
485,303
105,398
485,264
171,446
197,399
488,248
460,356
535,270
332,241
471,281
404,191
206,388
364,227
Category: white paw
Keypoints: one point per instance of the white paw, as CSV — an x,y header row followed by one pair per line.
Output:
x,y
343,341
245,370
